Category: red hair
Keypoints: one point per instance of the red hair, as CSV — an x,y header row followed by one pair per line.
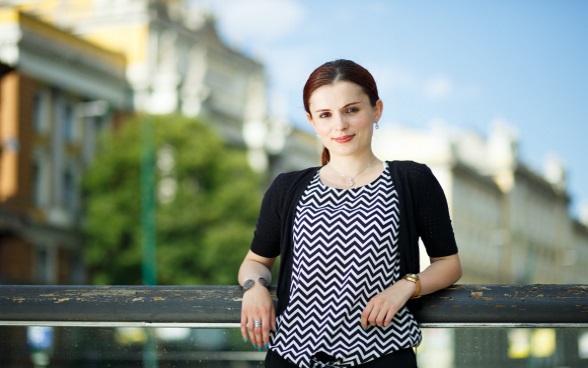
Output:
x,y
339,70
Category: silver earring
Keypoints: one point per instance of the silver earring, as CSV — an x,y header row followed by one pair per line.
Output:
x,y
377,126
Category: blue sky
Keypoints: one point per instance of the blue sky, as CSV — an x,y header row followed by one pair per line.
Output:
x,y
467,63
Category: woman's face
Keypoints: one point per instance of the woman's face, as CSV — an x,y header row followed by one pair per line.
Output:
x,y
343,118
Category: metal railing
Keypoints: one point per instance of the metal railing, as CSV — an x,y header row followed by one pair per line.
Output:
x,y
540,305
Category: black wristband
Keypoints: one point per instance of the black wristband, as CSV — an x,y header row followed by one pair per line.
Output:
x,y
263,282
248,284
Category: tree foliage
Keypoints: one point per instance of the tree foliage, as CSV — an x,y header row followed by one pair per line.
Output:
x,y
203,229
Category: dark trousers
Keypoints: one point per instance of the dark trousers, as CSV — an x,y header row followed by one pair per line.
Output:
x,y
404,358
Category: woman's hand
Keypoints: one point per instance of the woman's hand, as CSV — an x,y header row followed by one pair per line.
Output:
x,y
383,307
441,273
258,306
257,301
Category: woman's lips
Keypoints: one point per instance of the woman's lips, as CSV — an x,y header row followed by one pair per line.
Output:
x,y
344,139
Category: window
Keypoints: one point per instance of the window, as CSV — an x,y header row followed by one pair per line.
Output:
x,y
68,189
40,111
40,181
68,123
37,186
43,265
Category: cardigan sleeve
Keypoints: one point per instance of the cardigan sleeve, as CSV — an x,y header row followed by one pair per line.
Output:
x,y
267,235
432,215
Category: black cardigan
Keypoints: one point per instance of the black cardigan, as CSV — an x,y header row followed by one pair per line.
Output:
x,y
423,214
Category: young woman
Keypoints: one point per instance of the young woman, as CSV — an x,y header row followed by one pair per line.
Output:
x,y
347,236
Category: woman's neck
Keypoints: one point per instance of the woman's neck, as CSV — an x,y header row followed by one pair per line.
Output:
x,y
349,172
351,165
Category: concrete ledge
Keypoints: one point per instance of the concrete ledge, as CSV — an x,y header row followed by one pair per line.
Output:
x,y
538,305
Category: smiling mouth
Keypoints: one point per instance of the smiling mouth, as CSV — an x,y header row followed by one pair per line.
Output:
x,y
344,139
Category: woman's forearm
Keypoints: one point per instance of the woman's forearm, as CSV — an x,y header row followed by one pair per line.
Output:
x,y
254,267
441,273
253,270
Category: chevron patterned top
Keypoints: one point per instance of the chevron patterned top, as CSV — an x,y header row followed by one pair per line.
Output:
x,y
345,252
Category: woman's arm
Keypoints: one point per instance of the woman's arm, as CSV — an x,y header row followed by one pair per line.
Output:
x,y
254,267
441,273
257,301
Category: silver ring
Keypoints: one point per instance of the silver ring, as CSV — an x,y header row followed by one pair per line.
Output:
x,y
256,323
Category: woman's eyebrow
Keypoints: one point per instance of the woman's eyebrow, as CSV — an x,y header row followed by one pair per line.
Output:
x,y
351,103
346,105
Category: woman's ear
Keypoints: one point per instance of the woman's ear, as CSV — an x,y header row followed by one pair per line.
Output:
x,y
378,110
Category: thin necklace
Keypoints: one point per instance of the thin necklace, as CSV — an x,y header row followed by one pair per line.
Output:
x,y
351,179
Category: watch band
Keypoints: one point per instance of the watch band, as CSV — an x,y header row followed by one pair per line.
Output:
x,y
263,282
248,284
413,277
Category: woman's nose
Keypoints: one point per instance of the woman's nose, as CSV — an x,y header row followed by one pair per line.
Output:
x,y
340,123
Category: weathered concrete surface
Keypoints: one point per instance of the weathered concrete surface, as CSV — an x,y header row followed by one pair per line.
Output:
x,y
460,304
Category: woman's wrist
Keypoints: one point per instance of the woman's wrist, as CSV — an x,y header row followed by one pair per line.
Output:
x,y
251,282
415,279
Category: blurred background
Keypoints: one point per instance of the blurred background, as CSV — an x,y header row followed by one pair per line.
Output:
x,y
137,136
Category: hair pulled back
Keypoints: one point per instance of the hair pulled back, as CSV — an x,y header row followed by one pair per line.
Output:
x,y
334,71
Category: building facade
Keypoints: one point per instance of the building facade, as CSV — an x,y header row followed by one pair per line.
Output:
x,y
177,63
57,93
512,224
68,68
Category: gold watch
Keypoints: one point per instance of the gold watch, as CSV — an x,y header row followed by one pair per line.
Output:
x,y
413,277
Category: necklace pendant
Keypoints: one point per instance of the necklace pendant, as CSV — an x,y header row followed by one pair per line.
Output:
x,y
351,183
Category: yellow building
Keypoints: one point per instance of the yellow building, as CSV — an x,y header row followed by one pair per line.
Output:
x,y
177,63
57,92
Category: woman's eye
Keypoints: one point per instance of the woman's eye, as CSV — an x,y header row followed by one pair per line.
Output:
x,y
352,110
324,115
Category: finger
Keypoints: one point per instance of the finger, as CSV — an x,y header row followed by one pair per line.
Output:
x,y
244,327
365,315
372,317
377,309
257,331
265,331
251,332
373,314
389,316
381,316
273,321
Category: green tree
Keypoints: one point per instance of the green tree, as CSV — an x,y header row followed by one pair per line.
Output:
x,y
207,204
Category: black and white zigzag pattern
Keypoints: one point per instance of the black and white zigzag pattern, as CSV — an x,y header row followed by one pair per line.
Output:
x,y
345,252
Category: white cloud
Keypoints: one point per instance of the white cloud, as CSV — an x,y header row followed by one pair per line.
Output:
x,y
438,88
442,87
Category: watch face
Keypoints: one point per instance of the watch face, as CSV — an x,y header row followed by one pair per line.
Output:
x,y
411,277
248,284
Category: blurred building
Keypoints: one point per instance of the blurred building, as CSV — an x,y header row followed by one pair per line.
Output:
x,y
301,149
57,93
512,223
67,67
178,64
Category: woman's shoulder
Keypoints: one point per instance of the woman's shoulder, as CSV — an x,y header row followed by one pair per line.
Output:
x,y
411,173
291,178
290,175
408,166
